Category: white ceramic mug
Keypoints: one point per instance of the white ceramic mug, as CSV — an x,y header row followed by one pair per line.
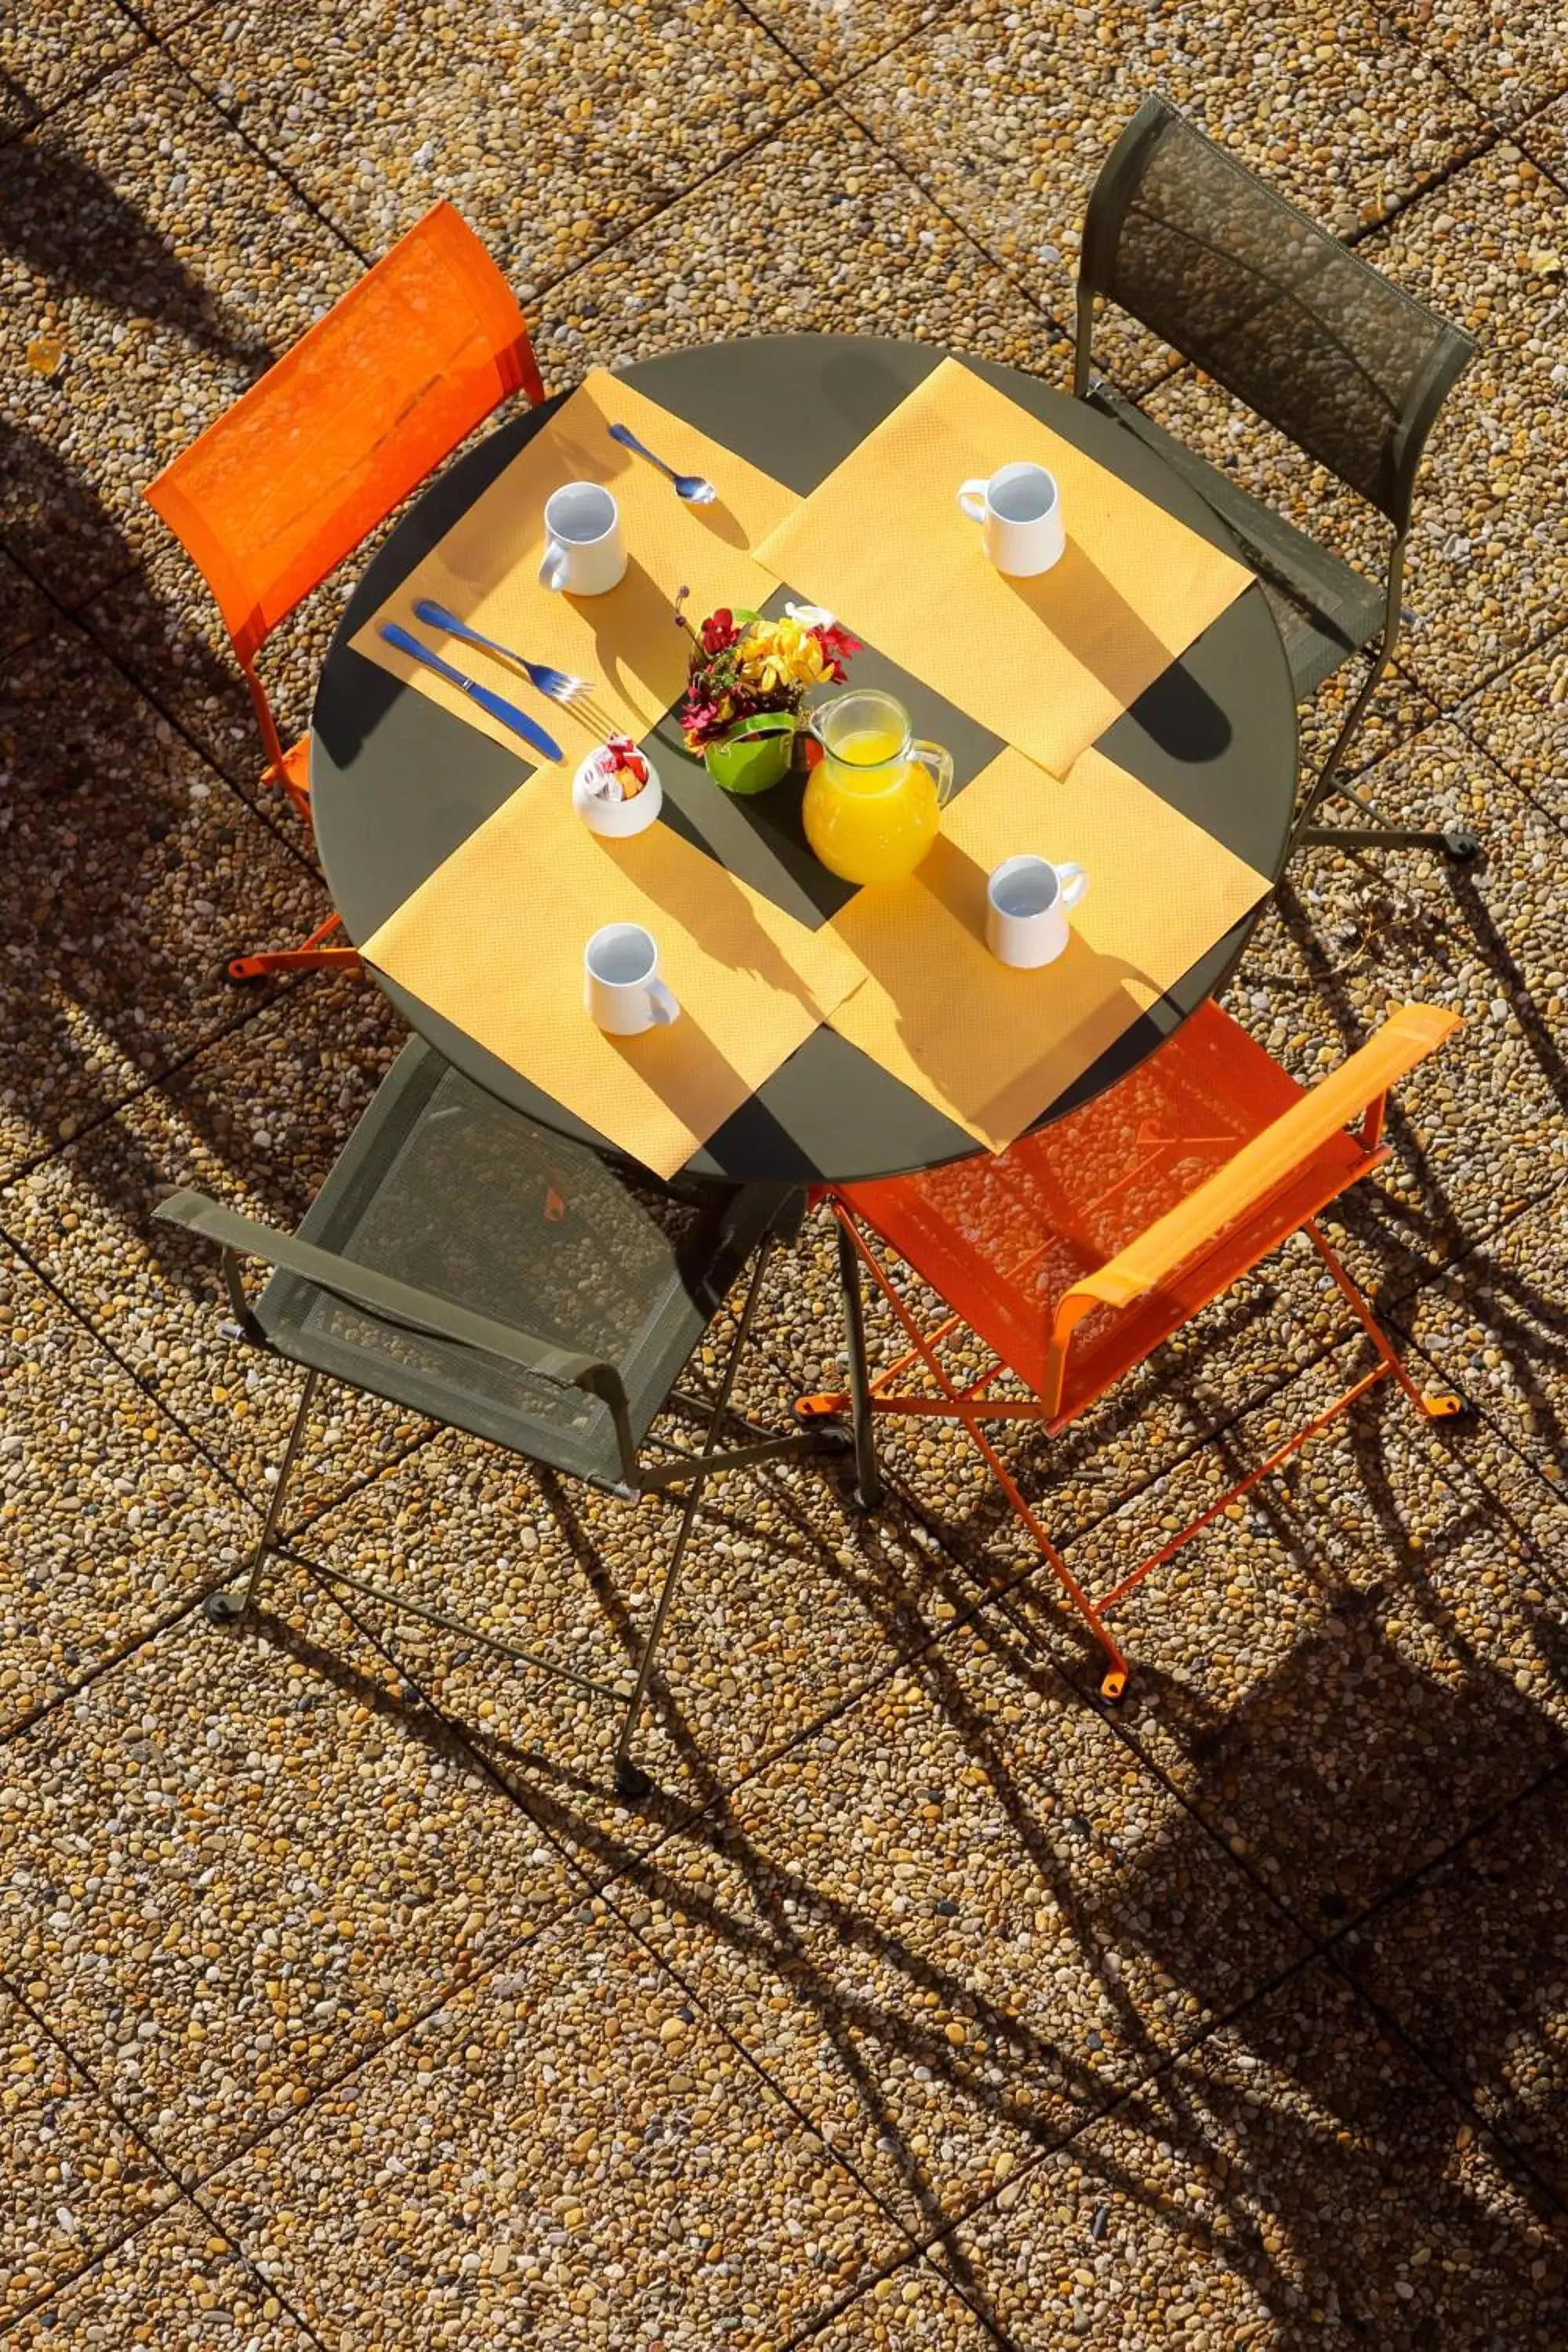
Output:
x,y
1026,902
1019,510
621,986
583,552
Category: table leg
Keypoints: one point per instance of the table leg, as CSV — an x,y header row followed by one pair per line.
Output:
x,y
868,1478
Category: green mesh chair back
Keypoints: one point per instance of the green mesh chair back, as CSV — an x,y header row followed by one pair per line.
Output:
x,y
1238,282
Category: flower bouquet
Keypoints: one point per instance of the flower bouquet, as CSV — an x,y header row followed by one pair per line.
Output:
x,y
748,683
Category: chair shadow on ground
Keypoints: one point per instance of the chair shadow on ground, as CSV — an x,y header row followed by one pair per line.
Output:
x,y
1294,2131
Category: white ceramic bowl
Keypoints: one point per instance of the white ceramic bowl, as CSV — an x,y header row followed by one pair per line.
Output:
x,y
616,820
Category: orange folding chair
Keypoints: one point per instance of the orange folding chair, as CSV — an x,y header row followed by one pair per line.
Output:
x,y
1070,1256
272,496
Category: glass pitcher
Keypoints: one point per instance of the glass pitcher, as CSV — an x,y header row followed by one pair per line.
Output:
x,y
872,806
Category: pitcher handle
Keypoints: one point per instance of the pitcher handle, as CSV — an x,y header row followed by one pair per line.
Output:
x,y
1072,882
938,764
971,497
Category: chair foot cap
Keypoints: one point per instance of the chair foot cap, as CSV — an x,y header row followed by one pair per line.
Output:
x,y
242,970
631,1782
1442,1404
1113,1686
823,1406
1461,845
222,1608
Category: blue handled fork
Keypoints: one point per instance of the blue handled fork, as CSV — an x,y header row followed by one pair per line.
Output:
x,y
558,684
497,705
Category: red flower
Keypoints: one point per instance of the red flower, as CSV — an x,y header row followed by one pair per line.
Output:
x,y
838,645
718,631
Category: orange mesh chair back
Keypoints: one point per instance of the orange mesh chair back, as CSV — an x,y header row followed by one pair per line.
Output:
x,y
1074,1254
290,480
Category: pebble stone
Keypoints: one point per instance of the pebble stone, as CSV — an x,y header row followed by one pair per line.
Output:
x,y
543,2162
231,1874
76,2180
1298,2179
1545,137
180,2282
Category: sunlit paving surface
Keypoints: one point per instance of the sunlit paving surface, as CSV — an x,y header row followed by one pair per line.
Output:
x,y
925,2000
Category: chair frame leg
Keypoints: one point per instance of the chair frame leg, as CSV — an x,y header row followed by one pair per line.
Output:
x,y
969,1407
309,956
1455,840
690,1470
224,1607
867,1474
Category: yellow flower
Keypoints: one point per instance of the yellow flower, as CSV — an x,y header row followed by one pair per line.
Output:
x,y
779,654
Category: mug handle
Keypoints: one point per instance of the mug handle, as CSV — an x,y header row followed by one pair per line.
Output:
x,y
664,1006
552,570
971,498
1073,882
938,765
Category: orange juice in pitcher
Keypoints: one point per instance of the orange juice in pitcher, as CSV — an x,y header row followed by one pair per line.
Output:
x,y
874,800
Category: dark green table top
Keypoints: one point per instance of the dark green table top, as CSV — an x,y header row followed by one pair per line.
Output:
x,y
397,783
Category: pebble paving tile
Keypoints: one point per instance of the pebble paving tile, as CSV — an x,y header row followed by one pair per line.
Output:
x,y
1300,2178
178,2282
555,131
1006,115
1473,1960
1511,58
345,2003
104,986
235,1865
910,2310
256,1122
569,2154
1349,1668
76,2180
49,48
922,1922
111,1521
1521,720
144,237
1497,1326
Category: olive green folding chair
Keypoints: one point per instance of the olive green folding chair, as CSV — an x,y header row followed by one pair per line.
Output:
x,y
1347,365
464,1263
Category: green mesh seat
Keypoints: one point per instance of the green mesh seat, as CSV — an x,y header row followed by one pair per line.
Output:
x,y
466,1262
1346,364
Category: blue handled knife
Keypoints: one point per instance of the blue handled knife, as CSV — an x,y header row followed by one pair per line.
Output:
x,y
496,704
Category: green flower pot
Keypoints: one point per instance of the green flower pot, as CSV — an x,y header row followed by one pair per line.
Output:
x,y
754,756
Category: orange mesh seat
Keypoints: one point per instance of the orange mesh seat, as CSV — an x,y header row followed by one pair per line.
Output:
x,y
273,496
1075,1253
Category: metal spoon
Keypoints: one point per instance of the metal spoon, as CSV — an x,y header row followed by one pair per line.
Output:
x,y
692,488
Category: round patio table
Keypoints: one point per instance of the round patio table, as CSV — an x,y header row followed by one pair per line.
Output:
x,y
397,783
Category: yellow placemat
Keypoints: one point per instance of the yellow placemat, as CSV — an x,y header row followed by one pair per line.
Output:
x,y
992,1047
1048,663
625,643
494,940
